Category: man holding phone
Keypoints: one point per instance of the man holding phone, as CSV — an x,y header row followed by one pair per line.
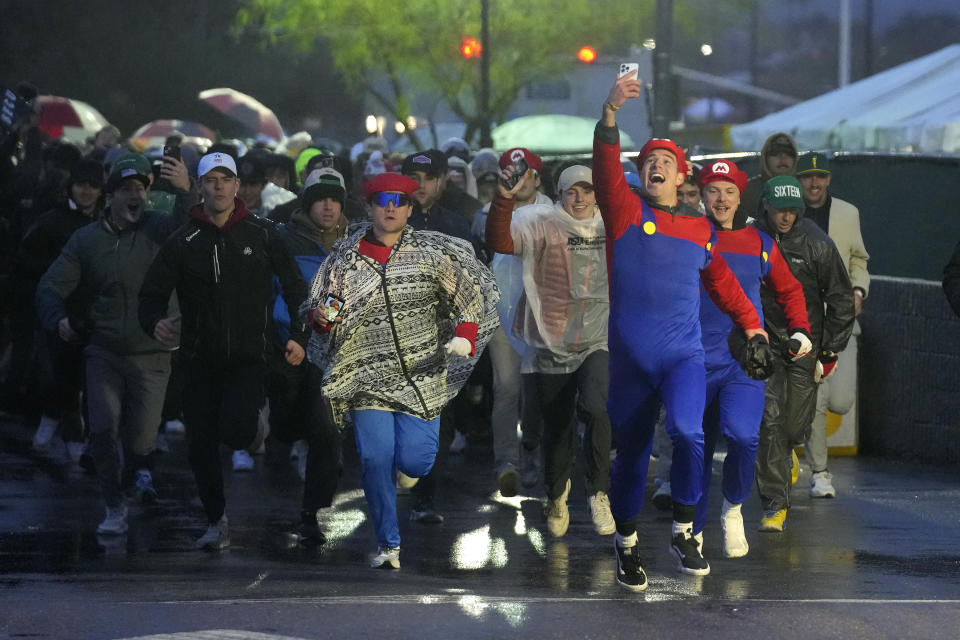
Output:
x,y
222,265
126,370
416,310
659,252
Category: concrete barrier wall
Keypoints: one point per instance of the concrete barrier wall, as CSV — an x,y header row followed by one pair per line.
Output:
x,y
909,396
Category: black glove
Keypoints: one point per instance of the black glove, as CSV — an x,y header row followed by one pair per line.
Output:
x,y
798,345
754,355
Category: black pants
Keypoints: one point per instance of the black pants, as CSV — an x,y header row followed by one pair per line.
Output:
x,y
298,412
562,397
789,405
221,404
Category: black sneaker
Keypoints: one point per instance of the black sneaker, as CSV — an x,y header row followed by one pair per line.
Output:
x,y
309,532
424,513
630,574
685,549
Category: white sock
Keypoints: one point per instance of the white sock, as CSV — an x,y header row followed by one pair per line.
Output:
x,y
729,506
682,527
624,542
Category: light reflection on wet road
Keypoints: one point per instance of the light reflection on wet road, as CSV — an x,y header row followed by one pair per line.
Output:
x,y
879,561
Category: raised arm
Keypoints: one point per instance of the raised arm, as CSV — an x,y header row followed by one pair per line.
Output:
x,y
613,194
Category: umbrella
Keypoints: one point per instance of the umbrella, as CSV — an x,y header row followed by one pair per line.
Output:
x,y
165,128
70,119
550,134
154,134
246,110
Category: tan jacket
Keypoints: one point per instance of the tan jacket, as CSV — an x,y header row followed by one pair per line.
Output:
x,y
845,232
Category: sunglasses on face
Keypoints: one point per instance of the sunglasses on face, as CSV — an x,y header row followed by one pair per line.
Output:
x,y
384,198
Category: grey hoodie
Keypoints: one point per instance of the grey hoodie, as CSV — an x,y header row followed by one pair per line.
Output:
x,y
750,200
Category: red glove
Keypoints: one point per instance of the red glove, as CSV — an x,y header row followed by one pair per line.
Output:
x,y
826,366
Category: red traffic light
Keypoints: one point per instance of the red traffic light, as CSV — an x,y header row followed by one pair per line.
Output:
x,y
470,47
587,55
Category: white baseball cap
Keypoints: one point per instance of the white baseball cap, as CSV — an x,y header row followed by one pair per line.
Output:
x,y
216,161
573,175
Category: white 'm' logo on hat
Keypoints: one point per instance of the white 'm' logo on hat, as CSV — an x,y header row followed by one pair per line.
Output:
x,y
517,154
721,167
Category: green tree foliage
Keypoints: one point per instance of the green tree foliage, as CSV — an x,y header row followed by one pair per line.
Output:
x,y
414,46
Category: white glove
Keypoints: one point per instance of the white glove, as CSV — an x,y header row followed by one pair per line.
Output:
x,y
800,345
458,347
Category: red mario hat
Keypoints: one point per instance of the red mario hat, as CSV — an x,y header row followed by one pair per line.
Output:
x,y
723,170
510,156
390,182
667,145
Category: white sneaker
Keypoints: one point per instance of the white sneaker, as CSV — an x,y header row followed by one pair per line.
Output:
x,y
386,558
821,485
242,461
115,524
45,432
75,450
558,515
459,443
603,522
174,427
216,537
731,526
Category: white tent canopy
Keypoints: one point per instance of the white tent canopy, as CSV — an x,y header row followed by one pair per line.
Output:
x,y
912,107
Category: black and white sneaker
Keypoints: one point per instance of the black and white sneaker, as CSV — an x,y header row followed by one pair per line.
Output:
x,y
685,549
630,574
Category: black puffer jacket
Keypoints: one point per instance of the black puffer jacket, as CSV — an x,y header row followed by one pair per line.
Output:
x,y
816,264
224,281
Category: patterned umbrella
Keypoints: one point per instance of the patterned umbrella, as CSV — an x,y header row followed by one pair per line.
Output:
x,y
164,128
70,119
248,111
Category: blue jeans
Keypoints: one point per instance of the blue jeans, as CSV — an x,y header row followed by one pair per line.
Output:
x,y
388,441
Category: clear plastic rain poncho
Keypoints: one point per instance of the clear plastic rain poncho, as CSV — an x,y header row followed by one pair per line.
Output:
x,y
563,312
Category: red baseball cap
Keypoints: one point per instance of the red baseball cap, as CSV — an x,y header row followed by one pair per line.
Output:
x,y
510,156
723,170
390,182
667,145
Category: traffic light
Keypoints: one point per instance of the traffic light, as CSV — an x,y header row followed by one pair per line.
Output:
x,y
587,55
470,47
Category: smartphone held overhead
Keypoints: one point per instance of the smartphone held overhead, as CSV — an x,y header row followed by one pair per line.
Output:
x,y
171,151
628,67
517,170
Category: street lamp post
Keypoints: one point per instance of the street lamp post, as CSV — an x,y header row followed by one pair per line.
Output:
x,y
485,138
662,62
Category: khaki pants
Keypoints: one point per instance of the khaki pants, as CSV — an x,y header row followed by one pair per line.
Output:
x,y
836,395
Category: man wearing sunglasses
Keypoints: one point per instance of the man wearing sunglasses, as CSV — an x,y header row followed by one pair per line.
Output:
x,y
400,317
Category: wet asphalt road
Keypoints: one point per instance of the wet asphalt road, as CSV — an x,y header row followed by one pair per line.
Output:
x,y
880,561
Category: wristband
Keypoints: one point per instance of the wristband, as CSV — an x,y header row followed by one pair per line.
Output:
x,y
612,106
